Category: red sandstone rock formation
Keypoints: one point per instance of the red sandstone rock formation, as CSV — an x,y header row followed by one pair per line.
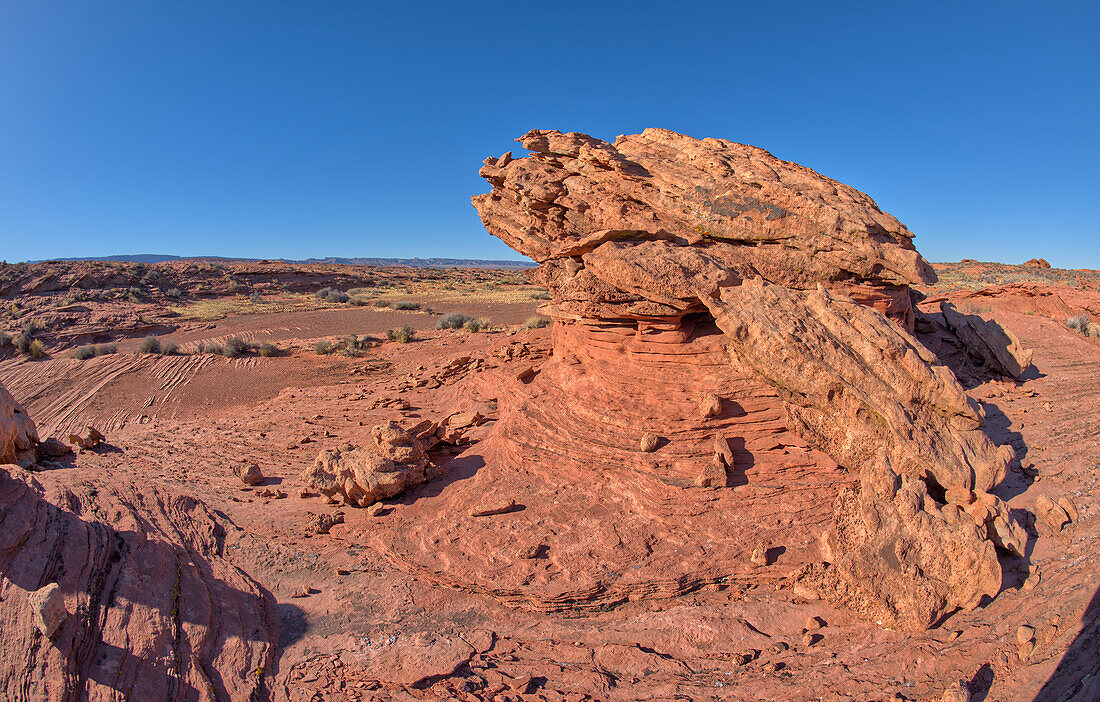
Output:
x,y
112,591
684,269
362,475
18,435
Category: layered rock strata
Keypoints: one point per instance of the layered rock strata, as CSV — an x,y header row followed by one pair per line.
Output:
x,y
109,591
717,298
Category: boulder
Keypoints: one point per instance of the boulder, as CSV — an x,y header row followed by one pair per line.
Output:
x,y
988,341
18,435
362,475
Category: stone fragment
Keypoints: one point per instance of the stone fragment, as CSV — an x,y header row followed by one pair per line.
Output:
x,y
1051,517
248,473
1025,633
489,509
88,440
713,474
759,557
710,406
51,448
361,475
958,691
48,605
302,591
528,552
648,443
322,523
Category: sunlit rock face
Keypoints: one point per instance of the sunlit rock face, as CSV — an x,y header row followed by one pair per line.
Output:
x,y
755,317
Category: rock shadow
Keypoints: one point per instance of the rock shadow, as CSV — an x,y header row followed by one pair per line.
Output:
x,y
1077,676
459,468
743,461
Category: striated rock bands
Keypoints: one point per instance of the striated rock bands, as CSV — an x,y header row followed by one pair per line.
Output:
x,y
708,297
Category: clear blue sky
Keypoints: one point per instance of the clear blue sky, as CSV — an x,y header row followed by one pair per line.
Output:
x,y
297,129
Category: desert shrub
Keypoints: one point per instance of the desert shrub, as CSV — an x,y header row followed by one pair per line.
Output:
x,y
84,353
543,295
149,344
536,322
453,320
170,348
476,325
406,305
235,346
331,295
36,351
382,303
234,286
105,349
359,301
324,347
25,338
173,293
254,297
268,349
5,339
200,347
215,349
1079,323
401,335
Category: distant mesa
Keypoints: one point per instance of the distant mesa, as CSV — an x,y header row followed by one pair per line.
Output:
x,y
396,262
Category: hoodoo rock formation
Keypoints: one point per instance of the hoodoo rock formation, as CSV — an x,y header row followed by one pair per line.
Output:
x,y
756,318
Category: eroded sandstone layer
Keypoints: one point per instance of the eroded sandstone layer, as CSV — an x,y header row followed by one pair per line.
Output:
x,y
710,299
112,591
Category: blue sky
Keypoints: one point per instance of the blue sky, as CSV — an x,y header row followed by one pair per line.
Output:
x,y
297,129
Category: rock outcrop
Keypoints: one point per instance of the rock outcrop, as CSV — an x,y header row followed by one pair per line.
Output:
x,y
18,435
110,591
363,475
988,341
710,294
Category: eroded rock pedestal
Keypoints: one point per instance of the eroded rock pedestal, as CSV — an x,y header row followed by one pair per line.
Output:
x,y
755,317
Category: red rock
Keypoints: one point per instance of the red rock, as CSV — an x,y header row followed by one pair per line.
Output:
x,y
988,341
682,268
362,475
18,435
118,585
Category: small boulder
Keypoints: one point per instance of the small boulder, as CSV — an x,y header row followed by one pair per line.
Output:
x,y
48,605
711,406
648,443
1051,516
249,473
528,552
322,523
713,474
51,448
88,440
490,508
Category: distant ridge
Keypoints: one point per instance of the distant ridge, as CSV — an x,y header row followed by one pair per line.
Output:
x,y
402,262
